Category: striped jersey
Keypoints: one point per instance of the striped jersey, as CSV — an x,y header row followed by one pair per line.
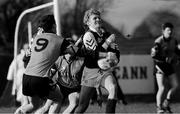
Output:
x,y
93,44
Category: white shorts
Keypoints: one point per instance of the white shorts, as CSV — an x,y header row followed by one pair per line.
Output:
x,y
94,77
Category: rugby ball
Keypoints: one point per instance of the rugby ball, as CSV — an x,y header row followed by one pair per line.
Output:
x,y
108,62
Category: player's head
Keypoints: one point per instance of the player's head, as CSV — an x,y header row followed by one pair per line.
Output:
x,y
47,24
167,29
92,18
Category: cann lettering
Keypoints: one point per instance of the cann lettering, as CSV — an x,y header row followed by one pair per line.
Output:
x,y
132,72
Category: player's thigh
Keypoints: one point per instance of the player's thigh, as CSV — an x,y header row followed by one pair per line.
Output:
x,y
55,94
161,80
110,82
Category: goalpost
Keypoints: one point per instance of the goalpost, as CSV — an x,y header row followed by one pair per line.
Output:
x,y
56,6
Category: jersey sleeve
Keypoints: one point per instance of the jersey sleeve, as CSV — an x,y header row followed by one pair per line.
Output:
x,y
90,46
89,41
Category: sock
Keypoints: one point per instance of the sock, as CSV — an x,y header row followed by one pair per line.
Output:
x,y
111,106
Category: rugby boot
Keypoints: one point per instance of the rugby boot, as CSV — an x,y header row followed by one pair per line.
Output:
x,y
168,109
166,106
160,110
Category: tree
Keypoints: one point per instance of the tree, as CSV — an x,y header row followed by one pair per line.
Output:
x,y
9,13
157,18
72,20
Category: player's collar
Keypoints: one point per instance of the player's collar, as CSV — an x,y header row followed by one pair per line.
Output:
x,y
166,40
94,30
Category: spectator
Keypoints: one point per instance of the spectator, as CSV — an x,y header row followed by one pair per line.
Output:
x,y
18,65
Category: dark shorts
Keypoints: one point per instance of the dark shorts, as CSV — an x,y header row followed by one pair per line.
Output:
x,y
164,68
35,86
66,91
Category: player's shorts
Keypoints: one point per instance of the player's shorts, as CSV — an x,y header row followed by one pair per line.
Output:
x,y
36,86
66,91
94,77
164,68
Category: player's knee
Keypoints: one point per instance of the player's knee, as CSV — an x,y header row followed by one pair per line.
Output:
x,y
73,97
161,88
73,103
175,86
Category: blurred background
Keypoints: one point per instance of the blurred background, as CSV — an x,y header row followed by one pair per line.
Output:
x,y
135,22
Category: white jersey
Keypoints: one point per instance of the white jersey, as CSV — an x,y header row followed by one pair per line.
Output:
x,y
46,48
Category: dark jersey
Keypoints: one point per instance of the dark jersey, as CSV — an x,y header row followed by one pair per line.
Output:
x,y
69,71
93,45
165,52
165,49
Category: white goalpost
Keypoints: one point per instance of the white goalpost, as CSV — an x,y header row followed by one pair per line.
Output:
x,y
57,16
29,31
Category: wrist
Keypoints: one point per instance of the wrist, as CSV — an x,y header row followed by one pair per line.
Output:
x,y
105,45
110,39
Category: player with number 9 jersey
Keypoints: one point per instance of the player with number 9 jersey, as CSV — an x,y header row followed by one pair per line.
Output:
x,y
45,51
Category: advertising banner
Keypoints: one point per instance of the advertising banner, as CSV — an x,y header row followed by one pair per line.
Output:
x,y
135,74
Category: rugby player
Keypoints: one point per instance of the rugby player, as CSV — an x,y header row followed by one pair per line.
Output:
x,y
97,46
46,48
164,53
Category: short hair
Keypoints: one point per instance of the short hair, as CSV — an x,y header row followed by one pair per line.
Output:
x,y
47,22
88,13
167,24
